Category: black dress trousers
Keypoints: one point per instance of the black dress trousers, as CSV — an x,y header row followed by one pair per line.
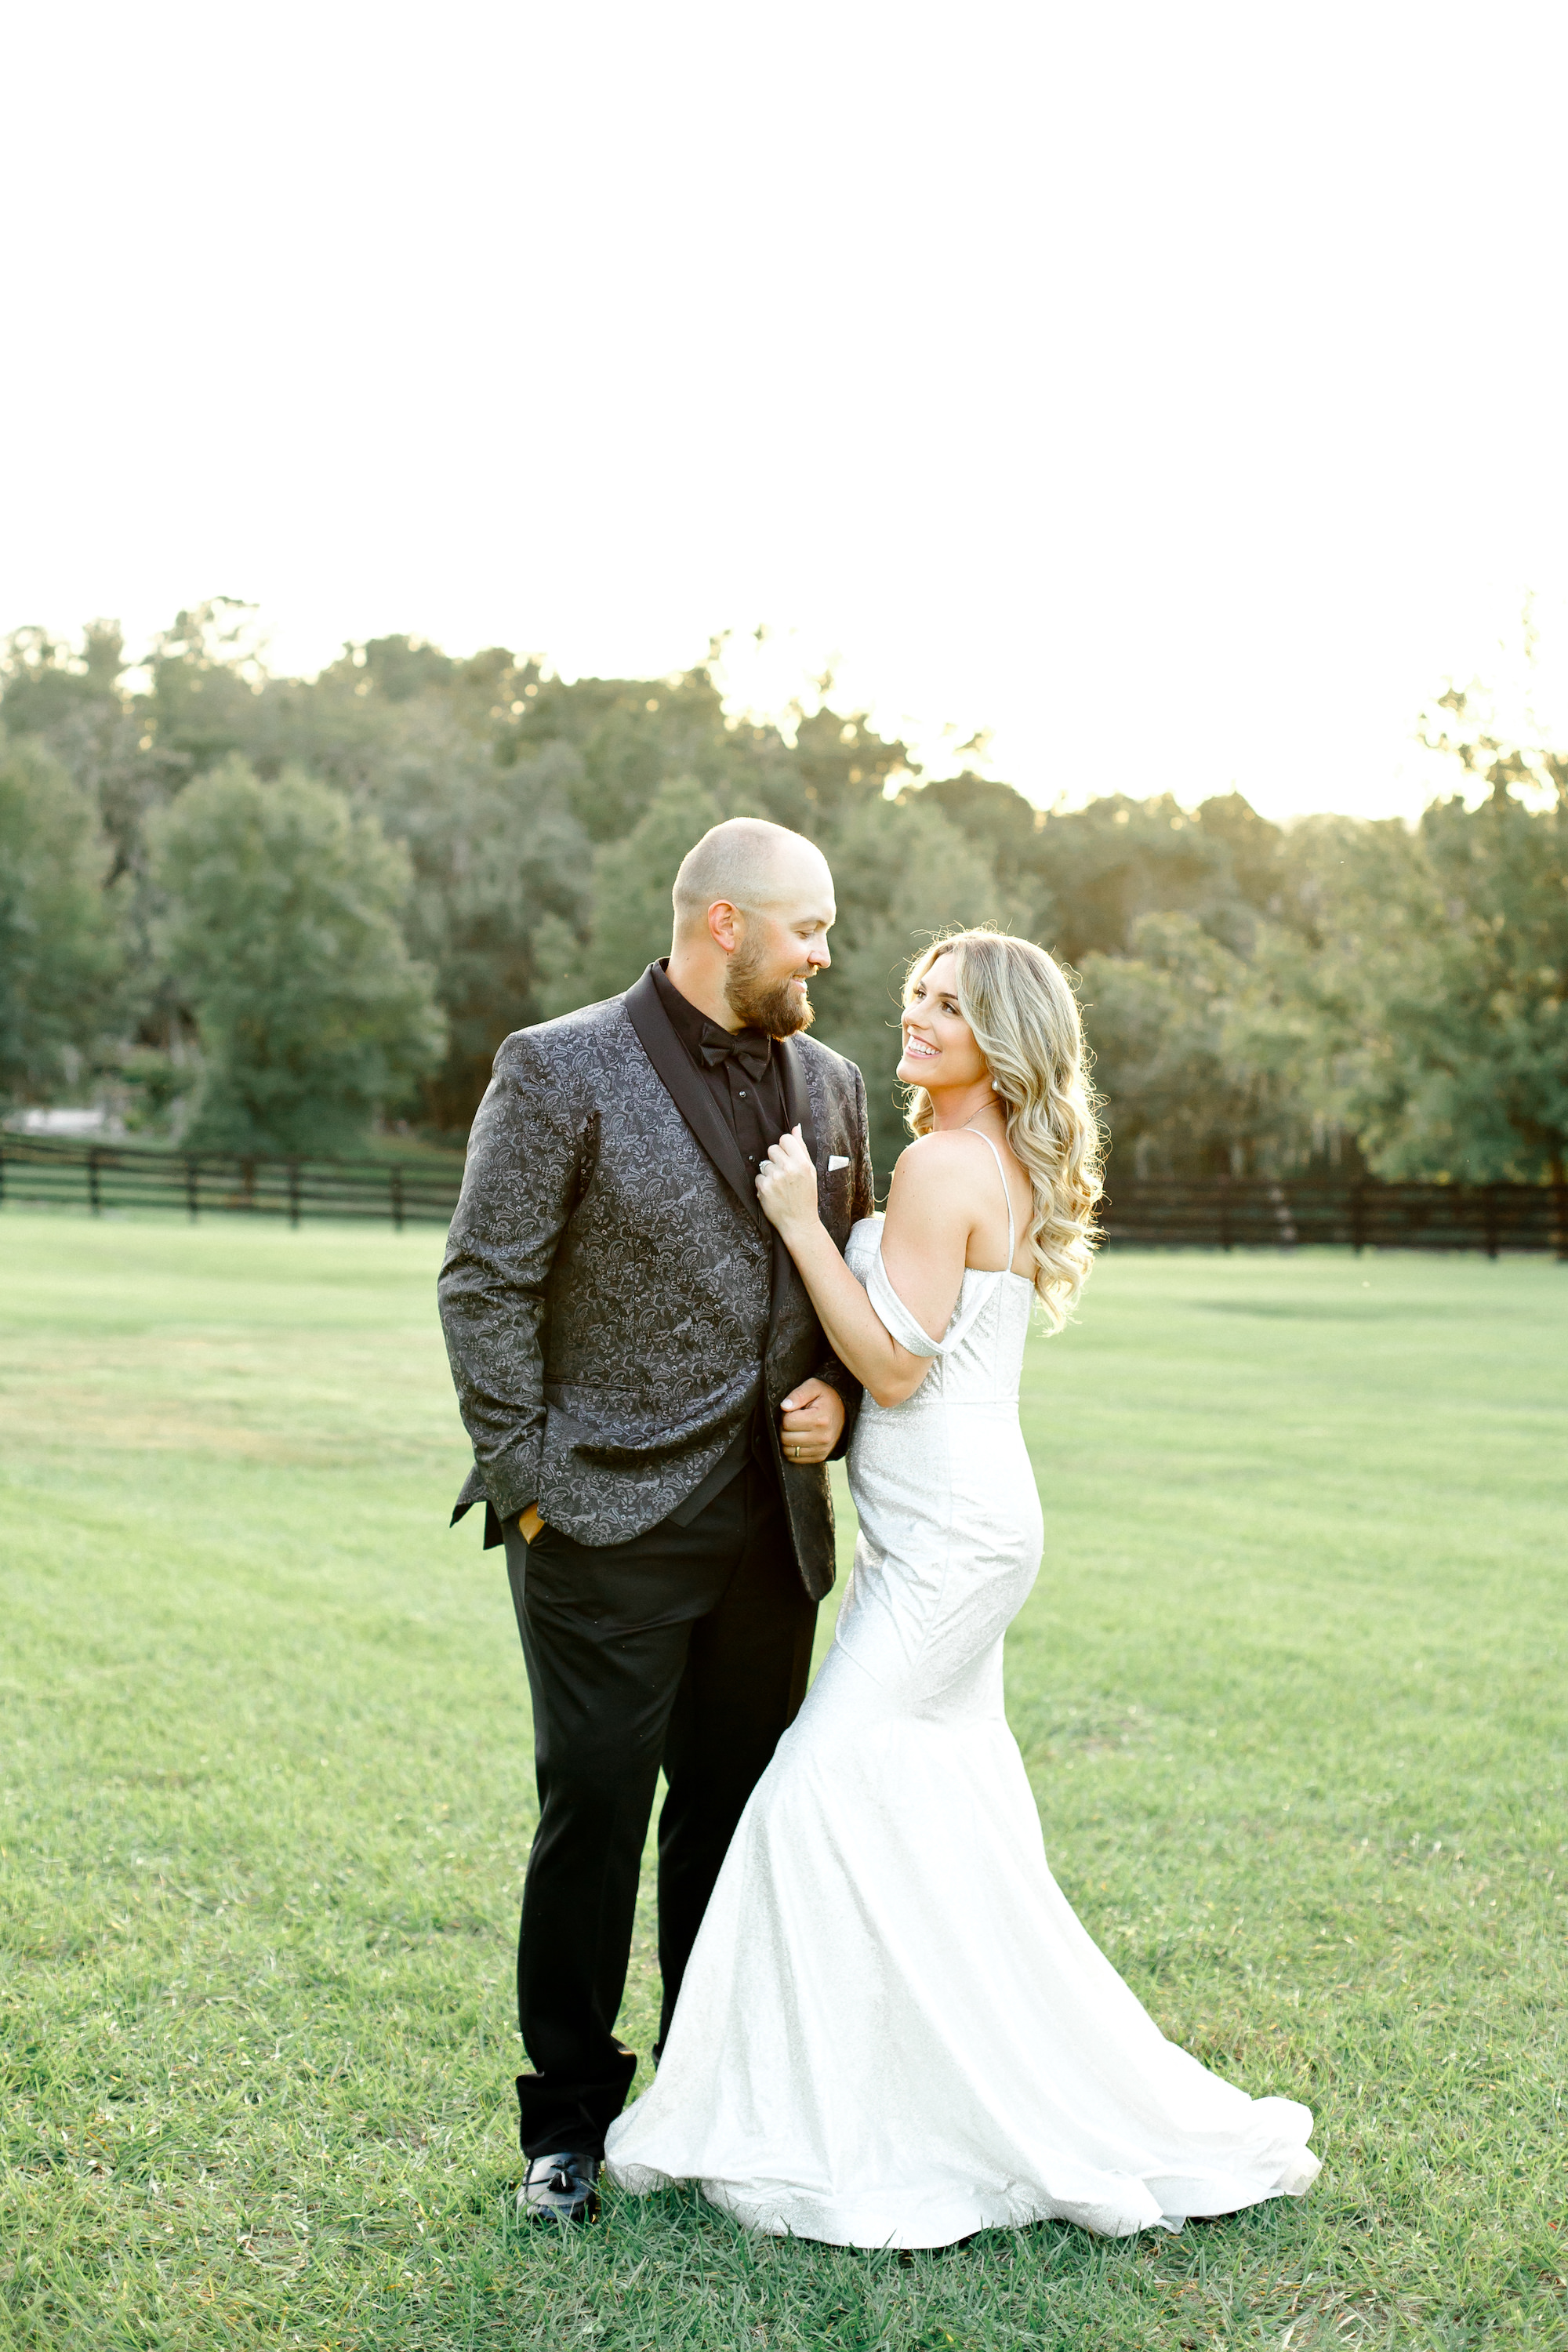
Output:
x,y
687,1647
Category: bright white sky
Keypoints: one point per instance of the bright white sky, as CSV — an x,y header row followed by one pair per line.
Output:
x,y
1178,392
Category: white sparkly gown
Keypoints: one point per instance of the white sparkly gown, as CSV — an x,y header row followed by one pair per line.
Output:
x,y
893,2029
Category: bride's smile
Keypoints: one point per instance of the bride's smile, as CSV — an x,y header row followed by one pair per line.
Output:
x,y
939,1044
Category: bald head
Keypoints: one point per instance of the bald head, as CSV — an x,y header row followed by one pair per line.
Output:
x,y
751,865
753,905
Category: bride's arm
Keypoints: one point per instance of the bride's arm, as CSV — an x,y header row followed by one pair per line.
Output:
x,y
924,1242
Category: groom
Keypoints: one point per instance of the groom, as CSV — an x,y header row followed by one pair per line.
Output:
x,y
651,1402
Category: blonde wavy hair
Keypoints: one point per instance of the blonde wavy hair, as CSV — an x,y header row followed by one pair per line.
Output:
x,y
1025,1017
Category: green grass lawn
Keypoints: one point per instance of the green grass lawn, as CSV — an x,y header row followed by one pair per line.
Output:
x,y
1290,1689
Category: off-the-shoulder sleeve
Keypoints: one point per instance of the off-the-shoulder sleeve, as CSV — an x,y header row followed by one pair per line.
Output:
x,y
895,1316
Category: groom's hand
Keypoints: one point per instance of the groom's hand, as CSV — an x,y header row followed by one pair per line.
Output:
x,y
811,1420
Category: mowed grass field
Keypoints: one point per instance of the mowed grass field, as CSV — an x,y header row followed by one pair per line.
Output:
x,y
1290,1688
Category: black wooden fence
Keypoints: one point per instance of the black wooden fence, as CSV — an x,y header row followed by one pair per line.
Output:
x,y
1261,1213
39,1171
1156,1213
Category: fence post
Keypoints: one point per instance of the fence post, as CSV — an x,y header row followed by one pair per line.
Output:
x,y
1225,1213
397,1175
1560,1217
1282,1216
1,1171
1488,1218
93,1199
293,1192
192,1185
1358,1216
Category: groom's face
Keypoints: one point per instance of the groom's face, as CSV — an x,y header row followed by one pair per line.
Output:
x,y
778,951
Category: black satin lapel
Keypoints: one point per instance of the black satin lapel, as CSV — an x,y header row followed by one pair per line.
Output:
x,y
797,1094
691,1098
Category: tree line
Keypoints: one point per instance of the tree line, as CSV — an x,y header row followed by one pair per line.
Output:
x,y
263,913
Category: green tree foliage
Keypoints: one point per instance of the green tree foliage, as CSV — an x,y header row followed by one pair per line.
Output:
x,y
625,917
59,941
282,929
901,873
1443,988
1257,997
501,868
73,703
1468,1075
1162,1019
1206,1059
1080,881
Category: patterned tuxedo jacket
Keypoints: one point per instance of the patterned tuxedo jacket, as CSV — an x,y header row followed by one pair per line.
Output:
x,y
612,1293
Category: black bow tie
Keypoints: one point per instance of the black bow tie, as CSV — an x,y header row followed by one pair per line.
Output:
x,y
748,1047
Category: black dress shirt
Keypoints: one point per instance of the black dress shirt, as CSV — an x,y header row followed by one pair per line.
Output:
x,y
752,1107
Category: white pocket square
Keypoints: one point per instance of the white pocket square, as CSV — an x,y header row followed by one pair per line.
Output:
x,y
837,1159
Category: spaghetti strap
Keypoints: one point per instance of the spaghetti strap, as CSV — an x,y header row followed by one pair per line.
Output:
x,y
1007,1193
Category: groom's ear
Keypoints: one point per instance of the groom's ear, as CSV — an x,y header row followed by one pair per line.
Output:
x,y
724,920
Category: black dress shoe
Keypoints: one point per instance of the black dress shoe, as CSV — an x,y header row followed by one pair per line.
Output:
x,y
560,2190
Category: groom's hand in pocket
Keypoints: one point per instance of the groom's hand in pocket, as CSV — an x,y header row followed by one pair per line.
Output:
x,y
810,1421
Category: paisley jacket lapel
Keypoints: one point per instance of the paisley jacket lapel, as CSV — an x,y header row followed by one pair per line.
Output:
x,y
796,1094
691,1096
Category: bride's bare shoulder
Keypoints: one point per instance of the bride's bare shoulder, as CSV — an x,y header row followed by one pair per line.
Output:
x,y
945,1149
937,1172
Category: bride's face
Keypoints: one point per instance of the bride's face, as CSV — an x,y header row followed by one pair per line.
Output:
x,y
939,1044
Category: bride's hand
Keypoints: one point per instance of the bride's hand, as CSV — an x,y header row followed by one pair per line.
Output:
x,y
786,1184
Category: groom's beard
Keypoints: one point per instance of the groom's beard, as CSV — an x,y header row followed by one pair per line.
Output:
x,y
777,1011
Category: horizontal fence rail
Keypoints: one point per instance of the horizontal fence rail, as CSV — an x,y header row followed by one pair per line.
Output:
x,y
39,1172
1262,1212
1152,1212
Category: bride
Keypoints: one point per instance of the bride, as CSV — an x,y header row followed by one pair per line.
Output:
x,y
893,2030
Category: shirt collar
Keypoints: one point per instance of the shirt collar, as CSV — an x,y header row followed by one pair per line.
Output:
x,y
685,1018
